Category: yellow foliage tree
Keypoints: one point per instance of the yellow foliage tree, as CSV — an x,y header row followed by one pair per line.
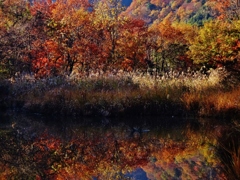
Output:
x,y
216,43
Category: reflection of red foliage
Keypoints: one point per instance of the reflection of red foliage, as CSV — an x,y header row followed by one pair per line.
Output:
x,y
106,155
88,156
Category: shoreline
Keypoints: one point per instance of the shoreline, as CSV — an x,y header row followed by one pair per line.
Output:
x,y
123,95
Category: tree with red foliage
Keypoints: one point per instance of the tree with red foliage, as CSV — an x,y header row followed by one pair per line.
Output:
x,y
109,22
67,25
132,44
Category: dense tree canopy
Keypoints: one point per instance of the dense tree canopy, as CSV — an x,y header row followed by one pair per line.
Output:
x,y
216,43
52,38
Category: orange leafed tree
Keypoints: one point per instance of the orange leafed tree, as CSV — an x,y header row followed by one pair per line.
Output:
x,y
68,25
107,21
47,59
169,43
133,40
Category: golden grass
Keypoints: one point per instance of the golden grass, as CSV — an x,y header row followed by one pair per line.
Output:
x,y
213,101
193,91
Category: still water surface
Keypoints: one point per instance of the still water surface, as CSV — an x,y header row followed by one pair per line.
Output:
x,y
36,147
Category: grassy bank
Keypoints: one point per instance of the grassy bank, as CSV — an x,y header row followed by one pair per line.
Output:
x,y
122,94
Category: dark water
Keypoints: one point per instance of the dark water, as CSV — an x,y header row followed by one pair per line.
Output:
x,y
36,147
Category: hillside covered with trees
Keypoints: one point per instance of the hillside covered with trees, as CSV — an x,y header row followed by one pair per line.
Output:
x,y
189,11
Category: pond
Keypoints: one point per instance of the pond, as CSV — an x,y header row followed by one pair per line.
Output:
x,y
140,148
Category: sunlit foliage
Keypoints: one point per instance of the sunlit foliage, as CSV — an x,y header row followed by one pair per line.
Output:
x,y
216,43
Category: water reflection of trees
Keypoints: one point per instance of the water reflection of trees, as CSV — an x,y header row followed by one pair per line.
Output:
x,y
87,153
39,151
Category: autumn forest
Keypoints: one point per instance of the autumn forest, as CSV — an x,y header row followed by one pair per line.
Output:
x,y
54,38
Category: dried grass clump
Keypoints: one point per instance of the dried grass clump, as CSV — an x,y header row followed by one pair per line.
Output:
x,y
124,92
193,80
213,101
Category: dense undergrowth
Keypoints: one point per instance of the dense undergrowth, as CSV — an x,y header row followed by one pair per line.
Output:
x,y
119,94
